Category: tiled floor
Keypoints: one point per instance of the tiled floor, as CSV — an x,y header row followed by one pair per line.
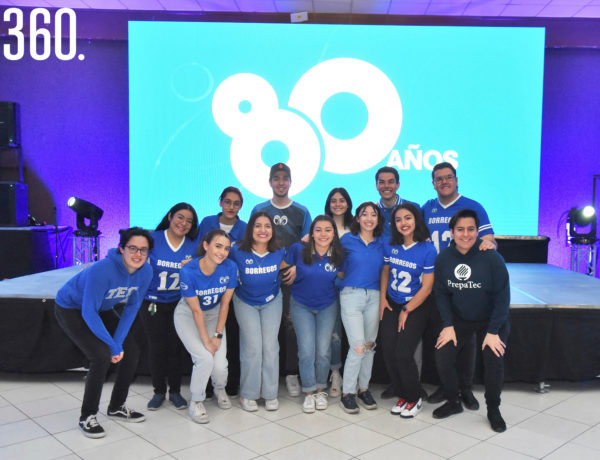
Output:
x,y
39,413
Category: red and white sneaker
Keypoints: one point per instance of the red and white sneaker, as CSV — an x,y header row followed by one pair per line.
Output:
x,y
399,407
411,409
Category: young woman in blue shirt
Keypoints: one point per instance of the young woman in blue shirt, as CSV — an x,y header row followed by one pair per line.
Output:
x,y
173,244
207,284
406,306
359,299
314,306
258,305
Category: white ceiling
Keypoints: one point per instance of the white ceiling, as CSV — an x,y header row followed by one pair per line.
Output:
x,y
489,8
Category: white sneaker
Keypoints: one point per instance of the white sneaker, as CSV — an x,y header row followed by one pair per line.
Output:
x,y
198,412
320,400
272,404
309,404
222,399
398,407
249,405
293,385
336,384
412,409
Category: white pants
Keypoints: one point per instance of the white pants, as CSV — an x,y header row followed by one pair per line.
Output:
x,y
205,363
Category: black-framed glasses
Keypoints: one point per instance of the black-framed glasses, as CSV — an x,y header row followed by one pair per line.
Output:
x,y
135,250
235,204
440,179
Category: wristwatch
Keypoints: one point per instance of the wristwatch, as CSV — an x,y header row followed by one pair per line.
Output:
x,y
219,335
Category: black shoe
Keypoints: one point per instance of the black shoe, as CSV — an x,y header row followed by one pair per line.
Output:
x,y
366,400
437,396
91,428
447,409
348,403
388,393
126,414
496,421
469,400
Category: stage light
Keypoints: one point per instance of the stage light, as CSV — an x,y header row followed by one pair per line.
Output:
x,y
581,223
85,210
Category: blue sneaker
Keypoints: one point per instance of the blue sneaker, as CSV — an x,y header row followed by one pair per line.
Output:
x,y
178,401
156,401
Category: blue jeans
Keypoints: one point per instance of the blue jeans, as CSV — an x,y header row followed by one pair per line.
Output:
x,y
313,332
259,347
360,315
336,340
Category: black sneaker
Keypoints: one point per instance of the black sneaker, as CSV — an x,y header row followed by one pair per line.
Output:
x,y
366,400
496,421
437,396
126,414
348,403
469,400
91,428
447,409
388,393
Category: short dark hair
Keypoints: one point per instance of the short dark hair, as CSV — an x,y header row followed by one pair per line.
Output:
x,y
337,251
231,189
387,169
462,214
164,223
208,238
442,165
421,230
348,214
355,227
246,243
127,233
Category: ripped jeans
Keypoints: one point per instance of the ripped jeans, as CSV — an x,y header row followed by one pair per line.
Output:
x,y
360,315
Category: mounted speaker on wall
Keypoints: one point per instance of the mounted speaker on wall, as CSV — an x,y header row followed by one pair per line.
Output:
x,y
9,125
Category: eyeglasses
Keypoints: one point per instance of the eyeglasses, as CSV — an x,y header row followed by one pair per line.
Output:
x,y
135,249
235,204
440,179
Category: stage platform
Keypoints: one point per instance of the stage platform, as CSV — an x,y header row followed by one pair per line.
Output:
x,y
555,325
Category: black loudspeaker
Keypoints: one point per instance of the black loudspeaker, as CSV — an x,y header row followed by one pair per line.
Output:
x,y
9,125
13,204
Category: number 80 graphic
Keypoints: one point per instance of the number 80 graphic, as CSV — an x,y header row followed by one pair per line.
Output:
x,y
246,108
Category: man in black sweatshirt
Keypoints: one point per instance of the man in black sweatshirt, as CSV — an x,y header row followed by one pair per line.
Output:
x,y
472,292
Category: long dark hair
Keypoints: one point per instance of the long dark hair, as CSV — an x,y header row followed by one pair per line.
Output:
x,y
421,231
164,223
246,243
337,251
208,238
348,214
355,227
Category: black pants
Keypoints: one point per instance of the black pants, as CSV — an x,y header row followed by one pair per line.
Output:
x,y
399,347
451,362
99,355
288,345
233,351
166,353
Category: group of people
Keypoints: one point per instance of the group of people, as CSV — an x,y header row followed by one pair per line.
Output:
x,y
392,270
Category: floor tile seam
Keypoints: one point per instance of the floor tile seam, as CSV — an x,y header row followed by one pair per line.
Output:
x,y
26,440
103,445
566,417
37,399
221,437
512,449
370,450
14,421
555,416
436,453
585,445
66,447
241,431
322,433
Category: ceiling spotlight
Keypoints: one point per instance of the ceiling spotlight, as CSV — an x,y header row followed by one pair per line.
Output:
x,y
86,210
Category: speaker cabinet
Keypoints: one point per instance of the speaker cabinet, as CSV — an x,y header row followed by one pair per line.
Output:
x,y
13,204
9,125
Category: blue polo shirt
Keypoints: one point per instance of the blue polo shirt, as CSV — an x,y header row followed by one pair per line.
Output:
x,y
208,289
363,263
314,286
407,264
258,275
387,214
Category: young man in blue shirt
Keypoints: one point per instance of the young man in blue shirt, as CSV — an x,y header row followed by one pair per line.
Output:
x,y
387,181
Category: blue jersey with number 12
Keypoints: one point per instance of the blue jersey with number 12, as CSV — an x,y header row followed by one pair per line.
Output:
x,y
407,263
437,217
166,263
